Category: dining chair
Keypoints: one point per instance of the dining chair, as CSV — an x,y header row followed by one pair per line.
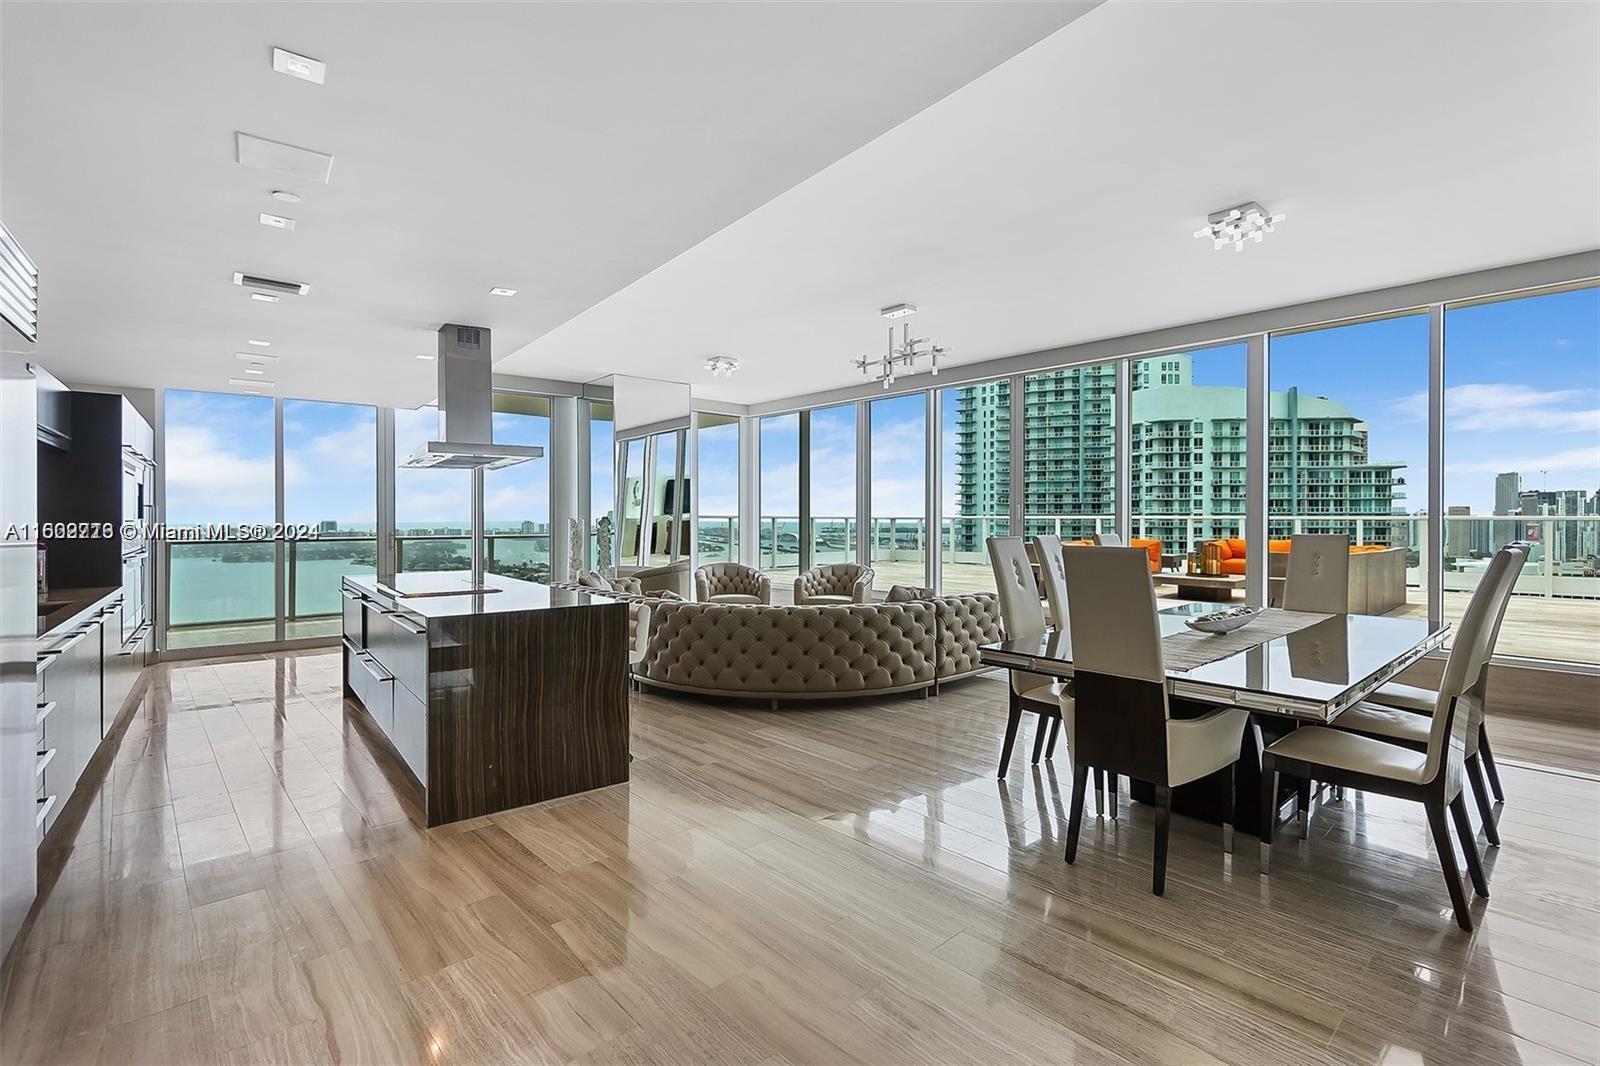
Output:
x,y
1108,540
1022,616
1318,578
1411,727
1122,721
1046,551
1432,777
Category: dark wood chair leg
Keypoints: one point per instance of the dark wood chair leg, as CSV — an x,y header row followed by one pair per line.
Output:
x,y
1158,880
1447,862
1480,793
1469,845
1038,737
1015,716
1488,764
1080,782
1303,808
1227,810
1100,793
1055,731
1111,794
1269,809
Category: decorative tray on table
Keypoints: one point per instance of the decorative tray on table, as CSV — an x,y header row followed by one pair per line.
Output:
x,y
1223,621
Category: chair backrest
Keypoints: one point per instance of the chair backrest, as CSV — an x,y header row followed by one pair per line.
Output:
x,y
1459,708
1020,611
1112,603
1053,577
1318,579
1108,540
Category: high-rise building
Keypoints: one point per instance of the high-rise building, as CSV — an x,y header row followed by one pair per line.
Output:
x,y
1507,500
1188,457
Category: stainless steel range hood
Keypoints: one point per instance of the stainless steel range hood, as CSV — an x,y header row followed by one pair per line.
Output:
x,y
466,412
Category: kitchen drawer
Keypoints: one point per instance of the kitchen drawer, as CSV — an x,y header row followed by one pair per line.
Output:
x,y
355,628
400,643
410,733
374,687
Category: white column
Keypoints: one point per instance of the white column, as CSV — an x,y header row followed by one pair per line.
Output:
x,y
933,497
1257,427
864,482
1122,494
1433,537
750,491
566,460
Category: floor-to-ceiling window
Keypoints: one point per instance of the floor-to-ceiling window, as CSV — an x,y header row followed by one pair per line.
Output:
x,y
632,541
717,451
220,470
330,485
1069,452
432,508
832,484
975,481
667,499
780,493
1186,456
516,499
898,492
602,480
1347,443
1522,463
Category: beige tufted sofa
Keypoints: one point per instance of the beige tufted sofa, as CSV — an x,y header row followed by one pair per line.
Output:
x,y
816,652
834,583
731,583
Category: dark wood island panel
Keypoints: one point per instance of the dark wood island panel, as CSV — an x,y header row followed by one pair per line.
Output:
x,y
526,707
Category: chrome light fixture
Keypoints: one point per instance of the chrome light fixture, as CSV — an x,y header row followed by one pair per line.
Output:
x,y
722,366
1235,225
903,356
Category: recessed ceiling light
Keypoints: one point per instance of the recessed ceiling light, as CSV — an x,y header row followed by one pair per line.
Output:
x,y
262,344
286,196
264,297
298,66
276,221
254,370
256,359
502,292
247,383
430,357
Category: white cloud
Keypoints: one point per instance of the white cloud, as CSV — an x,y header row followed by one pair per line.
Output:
x,y
1585,459
1496,407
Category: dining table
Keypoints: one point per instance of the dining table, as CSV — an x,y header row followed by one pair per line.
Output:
x,y
1308,676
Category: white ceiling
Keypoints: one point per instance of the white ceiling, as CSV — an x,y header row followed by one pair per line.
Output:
x,y
564,150
1053,200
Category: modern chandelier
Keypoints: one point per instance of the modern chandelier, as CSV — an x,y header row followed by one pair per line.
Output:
x,y
722,366
1235,225
902,357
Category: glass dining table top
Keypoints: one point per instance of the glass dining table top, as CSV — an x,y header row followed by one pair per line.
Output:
x,y
1313,673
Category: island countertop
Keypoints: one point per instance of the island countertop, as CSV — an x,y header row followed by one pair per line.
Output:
x,y
443,594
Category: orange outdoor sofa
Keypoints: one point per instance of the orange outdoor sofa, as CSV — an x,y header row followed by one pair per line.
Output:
x,y
1233,553
1151,547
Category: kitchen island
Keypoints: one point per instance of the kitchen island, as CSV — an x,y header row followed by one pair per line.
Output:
x,y
491,699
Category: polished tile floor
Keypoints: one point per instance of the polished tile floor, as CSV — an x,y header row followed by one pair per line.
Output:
x,y
823,884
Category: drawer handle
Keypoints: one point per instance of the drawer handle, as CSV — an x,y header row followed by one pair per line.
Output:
x,y
43,713
46,805
45,758
406,625
375,668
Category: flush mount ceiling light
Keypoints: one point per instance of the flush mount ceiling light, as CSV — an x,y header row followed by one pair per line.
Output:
x,y
722,366
298,66
902,357
286,196
261,344
276,221
1235,225
264,297
502,292
430,357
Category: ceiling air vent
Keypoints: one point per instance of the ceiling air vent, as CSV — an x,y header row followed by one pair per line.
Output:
x,y
19,287
251,281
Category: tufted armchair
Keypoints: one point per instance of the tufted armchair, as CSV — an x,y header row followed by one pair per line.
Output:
x,y
834,583
731,583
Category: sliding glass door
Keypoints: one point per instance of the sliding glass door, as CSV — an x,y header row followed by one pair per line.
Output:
x,y
330,477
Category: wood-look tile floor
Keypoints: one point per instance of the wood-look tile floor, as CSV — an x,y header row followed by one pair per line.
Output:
x,y
823,884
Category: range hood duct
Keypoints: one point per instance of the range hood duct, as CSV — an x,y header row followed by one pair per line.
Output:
x,y
466,409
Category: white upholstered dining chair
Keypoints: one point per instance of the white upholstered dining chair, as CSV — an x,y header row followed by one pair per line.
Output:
x,y
1122,721
1046,551
1022,616
1318,578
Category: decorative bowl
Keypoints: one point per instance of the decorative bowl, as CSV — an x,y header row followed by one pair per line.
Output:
x,y
1223,621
